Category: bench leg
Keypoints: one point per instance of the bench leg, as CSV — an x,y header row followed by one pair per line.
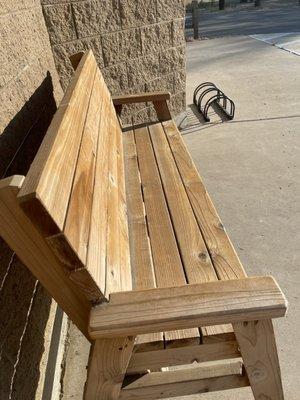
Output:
x,y
108,364
258,348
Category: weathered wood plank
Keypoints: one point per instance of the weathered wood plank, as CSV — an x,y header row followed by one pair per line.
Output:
x,y
211,303
27,242
202,379
258,347
166,258
140,252
221,250
47,186
156,359
108,363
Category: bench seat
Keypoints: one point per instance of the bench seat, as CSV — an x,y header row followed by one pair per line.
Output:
x,y
176,236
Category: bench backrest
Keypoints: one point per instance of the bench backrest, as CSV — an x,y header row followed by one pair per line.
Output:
x,y
74,192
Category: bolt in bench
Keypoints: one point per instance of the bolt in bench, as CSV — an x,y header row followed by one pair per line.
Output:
x,y
118,227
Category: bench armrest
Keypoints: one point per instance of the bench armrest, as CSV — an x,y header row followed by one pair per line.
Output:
x,y
140,98
159,100
164,309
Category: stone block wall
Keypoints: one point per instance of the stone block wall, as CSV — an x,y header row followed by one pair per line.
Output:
x,y
29,93
139,44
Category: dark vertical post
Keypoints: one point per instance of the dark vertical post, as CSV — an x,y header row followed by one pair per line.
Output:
x,y
257,3
195,19
221,4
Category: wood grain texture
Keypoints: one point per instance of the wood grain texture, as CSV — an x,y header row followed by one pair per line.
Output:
x,y
141,98
156,359
140,252
108,363
223,255
27,242
78,217
165,253
258,347
196,259
50,177
207,378
212,303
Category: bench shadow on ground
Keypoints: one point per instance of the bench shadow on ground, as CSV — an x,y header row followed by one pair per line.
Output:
x,y
194,121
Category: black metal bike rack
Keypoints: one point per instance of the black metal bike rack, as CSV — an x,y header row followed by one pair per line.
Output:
x,y
208,94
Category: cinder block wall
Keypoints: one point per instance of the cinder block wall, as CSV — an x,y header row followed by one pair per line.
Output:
x,y
29,92
139,44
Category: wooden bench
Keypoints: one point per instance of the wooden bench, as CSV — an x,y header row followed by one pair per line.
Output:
x,y
118,227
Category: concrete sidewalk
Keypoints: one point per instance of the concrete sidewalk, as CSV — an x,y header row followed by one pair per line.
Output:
x,y
251,169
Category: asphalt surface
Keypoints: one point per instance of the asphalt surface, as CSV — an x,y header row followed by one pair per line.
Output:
x,y
248,21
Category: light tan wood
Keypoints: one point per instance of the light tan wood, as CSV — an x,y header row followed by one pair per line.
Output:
x,y
46,190
221,250
258,347
196,259
78,218
141,98
156,359
140,252
166,258
75,59
206,378
27,242
224,257
162,110
96,252
125,266
108,363
212,303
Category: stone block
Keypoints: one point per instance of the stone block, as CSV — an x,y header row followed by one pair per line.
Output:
x,y
64,51
178,103
178,38
59,22
156,37
172,60
121,46
168,10
96,16
180,81
116,78
164,83
143,70
137,13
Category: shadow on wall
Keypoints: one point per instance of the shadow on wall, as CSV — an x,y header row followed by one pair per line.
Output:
x,y
24,304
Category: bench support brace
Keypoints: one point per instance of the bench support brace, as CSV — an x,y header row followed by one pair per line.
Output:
x,y
109,360
258,348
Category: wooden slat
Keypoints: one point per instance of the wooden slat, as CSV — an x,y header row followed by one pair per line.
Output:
x,y
96,252
196,259
140,252
125,266
205,304
107,367
78,218
23,237
118,272
206,378
258,348
46,190
166,258
221,250
154,360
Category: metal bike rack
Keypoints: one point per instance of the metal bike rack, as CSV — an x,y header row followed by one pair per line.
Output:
x,y
208,94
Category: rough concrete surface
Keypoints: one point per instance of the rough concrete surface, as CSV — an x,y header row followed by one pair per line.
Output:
x,y
251,169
